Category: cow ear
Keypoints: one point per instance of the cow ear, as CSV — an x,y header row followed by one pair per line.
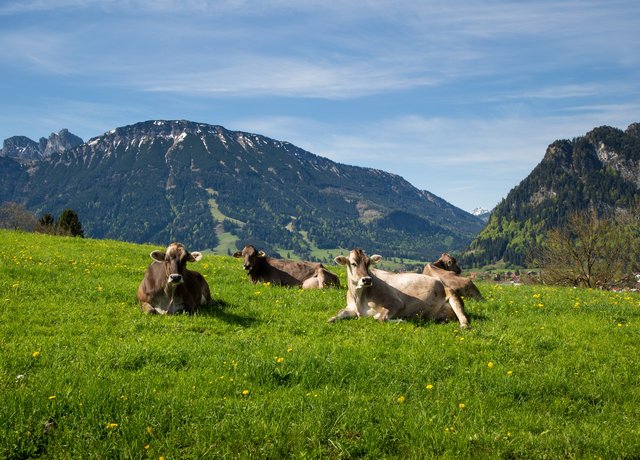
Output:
x,y
195,256
375,258
158,256
262,254
341,260
237,254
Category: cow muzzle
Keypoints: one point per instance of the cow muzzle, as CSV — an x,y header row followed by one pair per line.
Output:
x,y
365,281
247,267
175,278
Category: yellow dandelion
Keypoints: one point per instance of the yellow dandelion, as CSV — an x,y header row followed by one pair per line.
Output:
x,y
429,386
280,360
150,431
401,399
489,364
35,354
146,446
245,392
461,405
509,373
111,426
52,397
289,350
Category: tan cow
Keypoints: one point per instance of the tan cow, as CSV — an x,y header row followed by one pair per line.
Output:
x,y
446,269
169,287
281,272
385,295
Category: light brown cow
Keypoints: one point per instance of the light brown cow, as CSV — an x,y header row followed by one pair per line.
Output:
x,y
169,287
446,269
386,295
307,275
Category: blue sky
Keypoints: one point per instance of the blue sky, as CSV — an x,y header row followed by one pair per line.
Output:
x,y
461,98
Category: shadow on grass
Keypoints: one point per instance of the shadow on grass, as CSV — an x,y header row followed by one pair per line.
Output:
x,y
220,309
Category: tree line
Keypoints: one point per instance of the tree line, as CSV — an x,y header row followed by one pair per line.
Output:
x,y
15,216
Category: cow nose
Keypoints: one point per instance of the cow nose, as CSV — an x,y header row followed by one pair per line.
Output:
x,y
366,281
175,278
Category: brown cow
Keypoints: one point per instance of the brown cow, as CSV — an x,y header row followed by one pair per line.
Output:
x,y
168,287
386,295
446,269
448,262
307,275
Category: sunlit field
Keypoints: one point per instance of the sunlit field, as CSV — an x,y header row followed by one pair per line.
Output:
x,y
542,373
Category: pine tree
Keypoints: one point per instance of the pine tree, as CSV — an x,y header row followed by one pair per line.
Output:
x,y
69,223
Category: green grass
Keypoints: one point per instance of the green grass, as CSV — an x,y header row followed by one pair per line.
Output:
x,y
543,372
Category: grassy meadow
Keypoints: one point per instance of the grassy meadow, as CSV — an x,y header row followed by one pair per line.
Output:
x,y
542,373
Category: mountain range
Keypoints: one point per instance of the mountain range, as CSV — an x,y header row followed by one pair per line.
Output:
x,y
598,171
212,188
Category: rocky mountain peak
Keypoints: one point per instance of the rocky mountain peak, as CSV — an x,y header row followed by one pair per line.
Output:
x,y
24,149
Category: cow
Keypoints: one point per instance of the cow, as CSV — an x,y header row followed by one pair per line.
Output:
x,y
385,296
169,287
281,272
448,262
446,269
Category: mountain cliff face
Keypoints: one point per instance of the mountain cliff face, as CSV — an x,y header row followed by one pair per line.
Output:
x,y
159,181
600,170
23,148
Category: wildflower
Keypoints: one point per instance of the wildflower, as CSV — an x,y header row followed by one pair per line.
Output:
x,y
489,364
289,350
280,360
150,431
35,354
52,397
15,285
401,399
509,373
111,426
461,405
429,386
536,296
540,305
245,392
146,446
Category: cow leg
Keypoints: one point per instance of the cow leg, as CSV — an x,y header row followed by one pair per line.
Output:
x,y
345,313
382,315
312,283
457,305
146,307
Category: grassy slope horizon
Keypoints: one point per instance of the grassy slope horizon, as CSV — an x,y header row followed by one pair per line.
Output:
x,y
543,372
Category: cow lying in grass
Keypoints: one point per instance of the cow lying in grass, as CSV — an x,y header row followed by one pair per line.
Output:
x,y
446,269
385,295
169,287
307,275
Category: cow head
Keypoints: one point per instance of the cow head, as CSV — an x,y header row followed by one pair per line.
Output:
x,y
251,257
358,264
175,260
449,263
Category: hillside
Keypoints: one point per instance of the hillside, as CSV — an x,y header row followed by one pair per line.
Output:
x,y
158,181
86,375
599,170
